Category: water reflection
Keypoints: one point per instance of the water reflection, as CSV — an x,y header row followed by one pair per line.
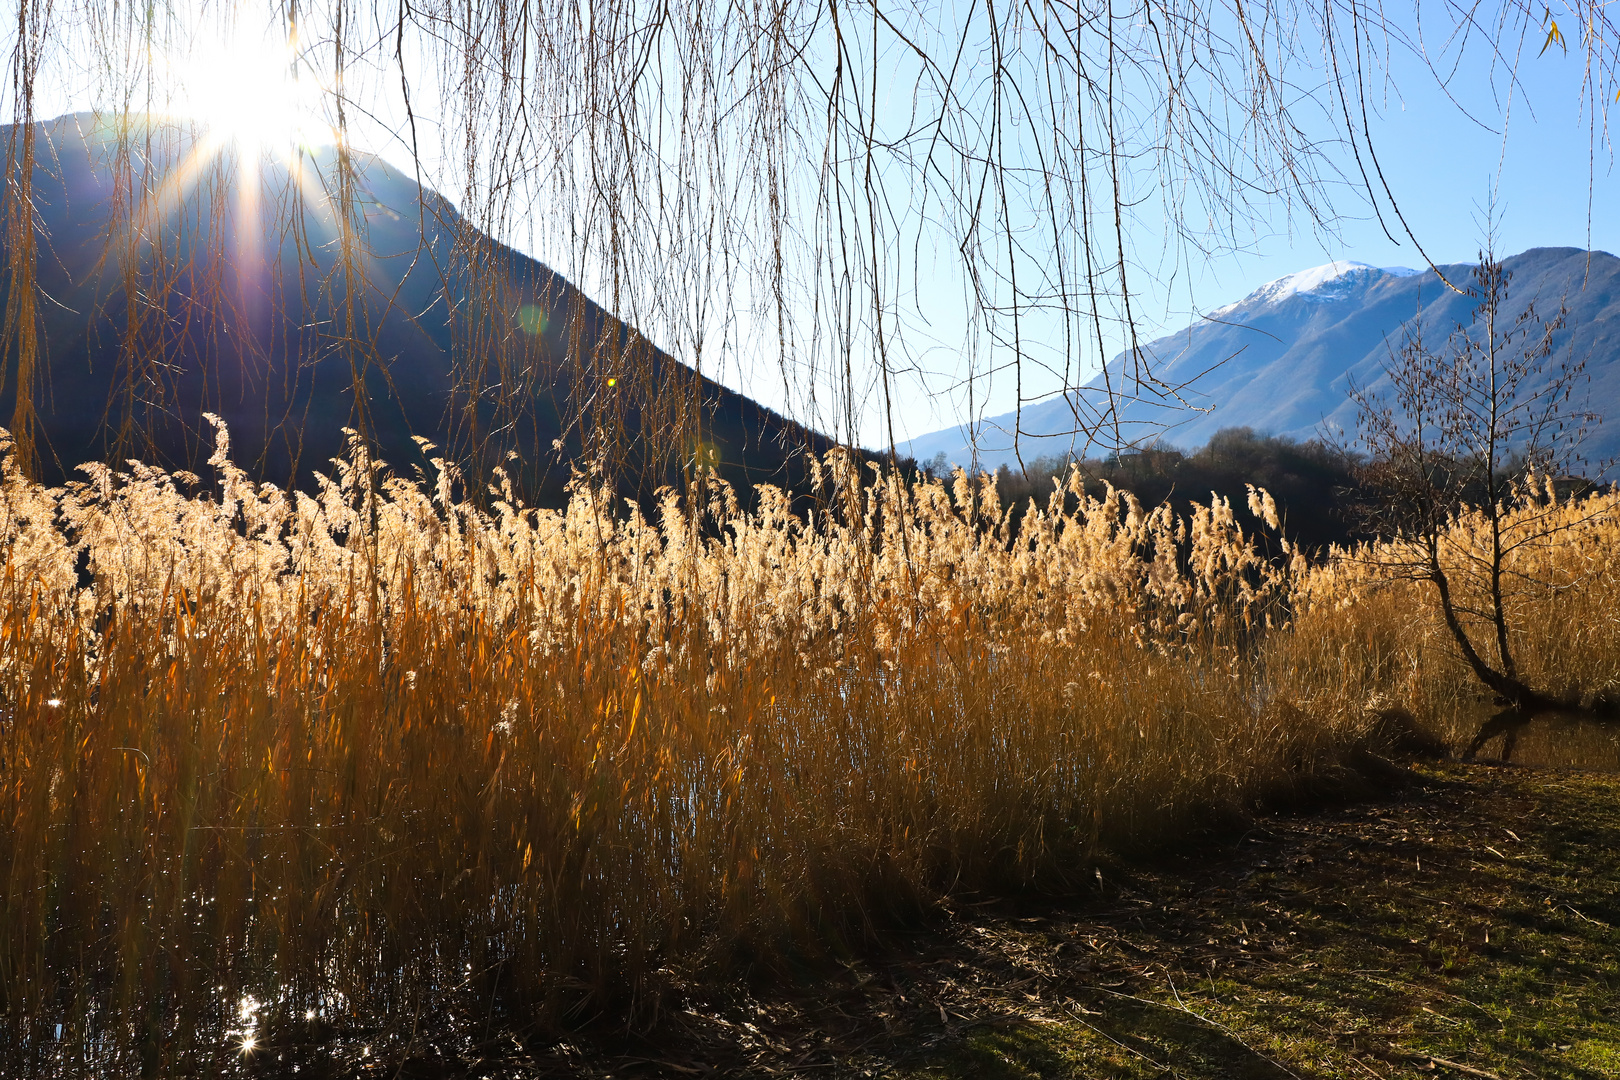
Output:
x,y
245,1034
1555,742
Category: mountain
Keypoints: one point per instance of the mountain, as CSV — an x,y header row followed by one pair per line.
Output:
x,y
176,279
1281,359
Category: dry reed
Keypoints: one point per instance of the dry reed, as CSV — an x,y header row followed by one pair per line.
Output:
x,y
280,770
1365,620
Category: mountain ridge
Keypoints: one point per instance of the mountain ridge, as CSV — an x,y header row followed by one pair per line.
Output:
x,y
175,286
1281,362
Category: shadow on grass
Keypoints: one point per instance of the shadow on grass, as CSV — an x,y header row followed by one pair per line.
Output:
x,y
1467,929
1122,1042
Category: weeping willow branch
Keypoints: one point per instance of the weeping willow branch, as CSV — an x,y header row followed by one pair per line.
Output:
x,y
777,184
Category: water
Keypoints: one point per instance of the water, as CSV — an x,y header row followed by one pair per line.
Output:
x,y
1556,742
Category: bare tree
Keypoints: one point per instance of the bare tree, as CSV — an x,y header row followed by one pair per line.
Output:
x,y
779,182
1466,446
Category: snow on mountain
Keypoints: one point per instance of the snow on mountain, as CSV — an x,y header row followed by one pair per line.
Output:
x,y
1281,359
1312,283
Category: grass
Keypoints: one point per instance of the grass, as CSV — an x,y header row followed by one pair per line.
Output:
x,y
1469,929
379,772
1338,942
1466,924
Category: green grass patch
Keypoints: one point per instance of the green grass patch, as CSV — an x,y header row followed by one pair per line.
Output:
x,y
1467,929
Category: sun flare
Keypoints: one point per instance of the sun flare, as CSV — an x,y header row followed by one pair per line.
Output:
x,y
247,90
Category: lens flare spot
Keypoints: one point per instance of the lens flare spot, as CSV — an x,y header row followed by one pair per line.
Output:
x,y
531,319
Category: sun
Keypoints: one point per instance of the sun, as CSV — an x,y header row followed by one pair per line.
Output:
x,y
246,89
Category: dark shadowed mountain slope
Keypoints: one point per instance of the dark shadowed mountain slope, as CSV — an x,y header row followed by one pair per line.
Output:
x,y
1281,359
175,281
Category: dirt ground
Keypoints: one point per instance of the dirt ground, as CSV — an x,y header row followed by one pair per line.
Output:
x,y
1462,924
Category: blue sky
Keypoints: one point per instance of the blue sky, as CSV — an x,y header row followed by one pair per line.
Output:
x,y
1442,158
1531,141
1442,167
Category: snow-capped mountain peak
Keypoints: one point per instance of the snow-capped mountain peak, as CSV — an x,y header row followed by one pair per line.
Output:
x,y
1282,368
1314,281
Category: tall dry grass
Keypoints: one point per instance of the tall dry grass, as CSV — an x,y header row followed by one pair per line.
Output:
x,y
344,770
1365,619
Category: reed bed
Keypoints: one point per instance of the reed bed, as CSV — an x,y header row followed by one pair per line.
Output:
x,y
1365,620
328,775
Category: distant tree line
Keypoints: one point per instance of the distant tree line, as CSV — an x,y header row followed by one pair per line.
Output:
x,y
1310,480
1325,493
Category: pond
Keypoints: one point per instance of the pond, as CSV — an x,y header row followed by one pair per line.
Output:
x,y
1557,742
